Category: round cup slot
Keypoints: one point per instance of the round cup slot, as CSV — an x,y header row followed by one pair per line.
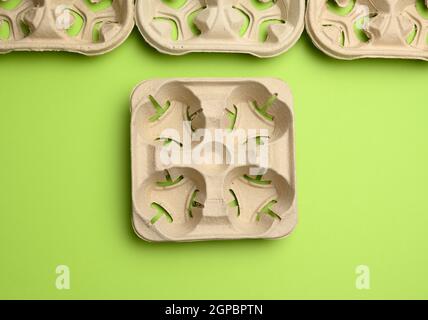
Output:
x,y
28,17
253,108
178,20
172,201
256,200
168,115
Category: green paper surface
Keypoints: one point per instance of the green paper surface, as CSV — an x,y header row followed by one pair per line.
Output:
x,y
65,181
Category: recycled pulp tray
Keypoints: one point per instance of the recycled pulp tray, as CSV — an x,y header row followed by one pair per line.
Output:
x,y
214,199
350,29
263,28
85,26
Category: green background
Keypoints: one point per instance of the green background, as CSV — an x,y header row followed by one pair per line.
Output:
x,y
65,184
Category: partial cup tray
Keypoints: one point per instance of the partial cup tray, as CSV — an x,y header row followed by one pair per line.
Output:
x,y
219,197
351,29
263,28
85,26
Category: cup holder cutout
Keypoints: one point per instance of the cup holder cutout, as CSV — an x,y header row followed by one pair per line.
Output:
x,y
84,26
263,110
231,117
167,116
256,203
262,28
169,182
171,27
257,180
161,211
235,203
216,189
267,210
253,107
16,21
349,29
172,201
159,110
5,29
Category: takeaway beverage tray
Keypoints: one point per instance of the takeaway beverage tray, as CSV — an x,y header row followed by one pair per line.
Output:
x,y
350,29
263,28
187,201
89,27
